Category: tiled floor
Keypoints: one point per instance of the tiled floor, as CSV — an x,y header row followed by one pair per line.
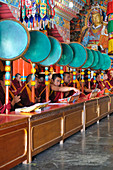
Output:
x,y
92,150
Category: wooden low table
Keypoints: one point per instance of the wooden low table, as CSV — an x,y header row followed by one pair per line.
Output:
x,y
39,131
13,140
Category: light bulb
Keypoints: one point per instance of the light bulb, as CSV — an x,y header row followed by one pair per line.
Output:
x,y
71,4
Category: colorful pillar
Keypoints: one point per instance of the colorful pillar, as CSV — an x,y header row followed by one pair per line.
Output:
x,y
94,79
89,78
7,82
102,75
74,77
62,81
47,84
82,79
110,26
33,82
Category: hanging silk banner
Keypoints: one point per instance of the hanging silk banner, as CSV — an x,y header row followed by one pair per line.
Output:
x,y
43,7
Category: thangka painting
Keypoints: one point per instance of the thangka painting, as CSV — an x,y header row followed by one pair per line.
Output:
x,y
94,33
14,3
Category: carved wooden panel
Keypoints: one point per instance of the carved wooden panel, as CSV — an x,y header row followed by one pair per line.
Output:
x,y
103,103
112,102
46,132
73,121
91,112
13,146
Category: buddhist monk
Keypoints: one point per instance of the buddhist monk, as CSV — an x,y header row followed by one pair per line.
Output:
x,y
111,76
55,89
106,81
69,83
13,99
16,84
26,92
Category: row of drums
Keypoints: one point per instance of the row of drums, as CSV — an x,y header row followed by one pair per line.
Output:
x,y
17,41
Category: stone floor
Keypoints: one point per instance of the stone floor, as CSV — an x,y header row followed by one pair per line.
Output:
x,y
92,150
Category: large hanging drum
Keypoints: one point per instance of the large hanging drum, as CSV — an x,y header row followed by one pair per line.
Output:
x,y
14,39
96,58
90,59
39,47
107,62
100,61
67,55
55,54
80,55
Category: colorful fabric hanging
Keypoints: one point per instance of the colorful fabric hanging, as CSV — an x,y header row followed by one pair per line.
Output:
x,y
110,26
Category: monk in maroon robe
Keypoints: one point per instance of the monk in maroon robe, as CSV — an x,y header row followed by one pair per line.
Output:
x,y
26,92
16,84
13,99
41,91
106,81
55,89
110,76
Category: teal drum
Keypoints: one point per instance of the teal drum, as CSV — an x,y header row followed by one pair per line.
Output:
x,y
67,55
80,55
96,58
39,47
14,39
107,62
55,54
100,62
90,59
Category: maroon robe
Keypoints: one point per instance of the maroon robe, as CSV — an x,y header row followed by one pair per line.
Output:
x,y
26,96
70,93
111,81
54,95
2,101
2,95
41,92
15,86
107,84
101,85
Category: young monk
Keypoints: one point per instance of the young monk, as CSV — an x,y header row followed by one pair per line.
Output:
x,y
110,76
13,99
66,78
16,84
55,89
106,81
26,92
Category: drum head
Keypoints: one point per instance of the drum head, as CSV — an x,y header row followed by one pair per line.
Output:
x,y
96,58
90,59
80,55
67,55
100,62
14,39
55,54
107,62
39,47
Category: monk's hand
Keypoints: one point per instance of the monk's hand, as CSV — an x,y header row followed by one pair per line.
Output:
x,y
20,83
14,91
37,99
76,90
16,99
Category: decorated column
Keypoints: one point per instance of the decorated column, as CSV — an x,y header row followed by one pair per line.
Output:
x,y
47,84
94,79
82,79
62,81
110,26
74,77
89,78
102,75
33,82
7,82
